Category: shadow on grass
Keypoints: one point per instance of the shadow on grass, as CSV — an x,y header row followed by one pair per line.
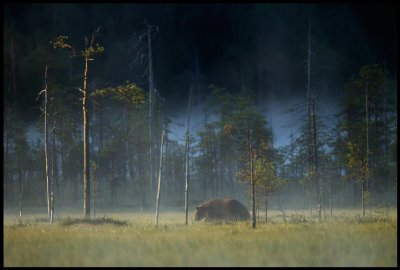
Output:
x,y
68,221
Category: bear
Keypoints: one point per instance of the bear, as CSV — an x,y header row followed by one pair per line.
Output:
x,y
221,210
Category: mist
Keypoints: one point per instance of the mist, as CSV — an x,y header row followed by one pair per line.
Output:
x,y
260,47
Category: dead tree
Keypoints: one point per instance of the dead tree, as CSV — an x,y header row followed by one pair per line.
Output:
x,y
127,146
151,104
315,158
45,92
187,157
140,59
159,176
21,189
252,182
94,168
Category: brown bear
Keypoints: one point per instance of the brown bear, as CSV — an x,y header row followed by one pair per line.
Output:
x,y
221,210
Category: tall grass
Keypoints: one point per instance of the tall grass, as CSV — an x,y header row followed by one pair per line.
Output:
x,y
133,240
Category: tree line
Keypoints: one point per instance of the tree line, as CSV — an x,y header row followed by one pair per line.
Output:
x,y
121,126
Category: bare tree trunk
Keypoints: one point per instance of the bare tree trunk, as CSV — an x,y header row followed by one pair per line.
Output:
x,y
52,203
94,190
230,174
309,117
366,120
100,130
362,197
100,145
330,199
141,173
112,182
151,86
75,187
52,178
316,175
214,163
54,172
62,156
266,202
385,133
165,183
127,144
204,173
21,189
309,90
159,176
86,156
187,143
6,167
280,207
13,74
253,189
46,143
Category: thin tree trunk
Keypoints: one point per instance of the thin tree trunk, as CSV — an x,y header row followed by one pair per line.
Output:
x,y
385,133
166,181
230,174
127,144
366,120
309,93
309,135
75,187
159,177
52,180
6,168
253,190
94,191
141,172
100,130
280,207
46,144
173,170
266,203
204,174
86,156
100,144
151,86
112,182
362,197
318,179
54,160
385,140
62,154
21,189
330,199
13,73
187,176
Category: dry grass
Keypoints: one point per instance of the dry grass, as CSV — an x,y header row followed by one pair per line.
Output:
x,y
125,239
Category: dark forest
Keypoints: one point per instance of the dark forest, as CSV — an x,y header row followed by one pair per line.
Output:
x,y
298,99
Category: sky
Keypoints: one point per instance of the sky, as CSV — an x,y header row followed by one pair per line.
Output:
x,y
262,46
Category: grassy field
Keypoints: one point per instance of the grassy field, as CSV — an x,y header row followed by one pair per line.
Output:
x,y
131,239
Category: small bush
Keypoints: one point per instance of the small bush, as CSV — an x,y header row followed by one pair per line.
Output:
x,y
41,220
68,221
368,219
18,223
297,218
